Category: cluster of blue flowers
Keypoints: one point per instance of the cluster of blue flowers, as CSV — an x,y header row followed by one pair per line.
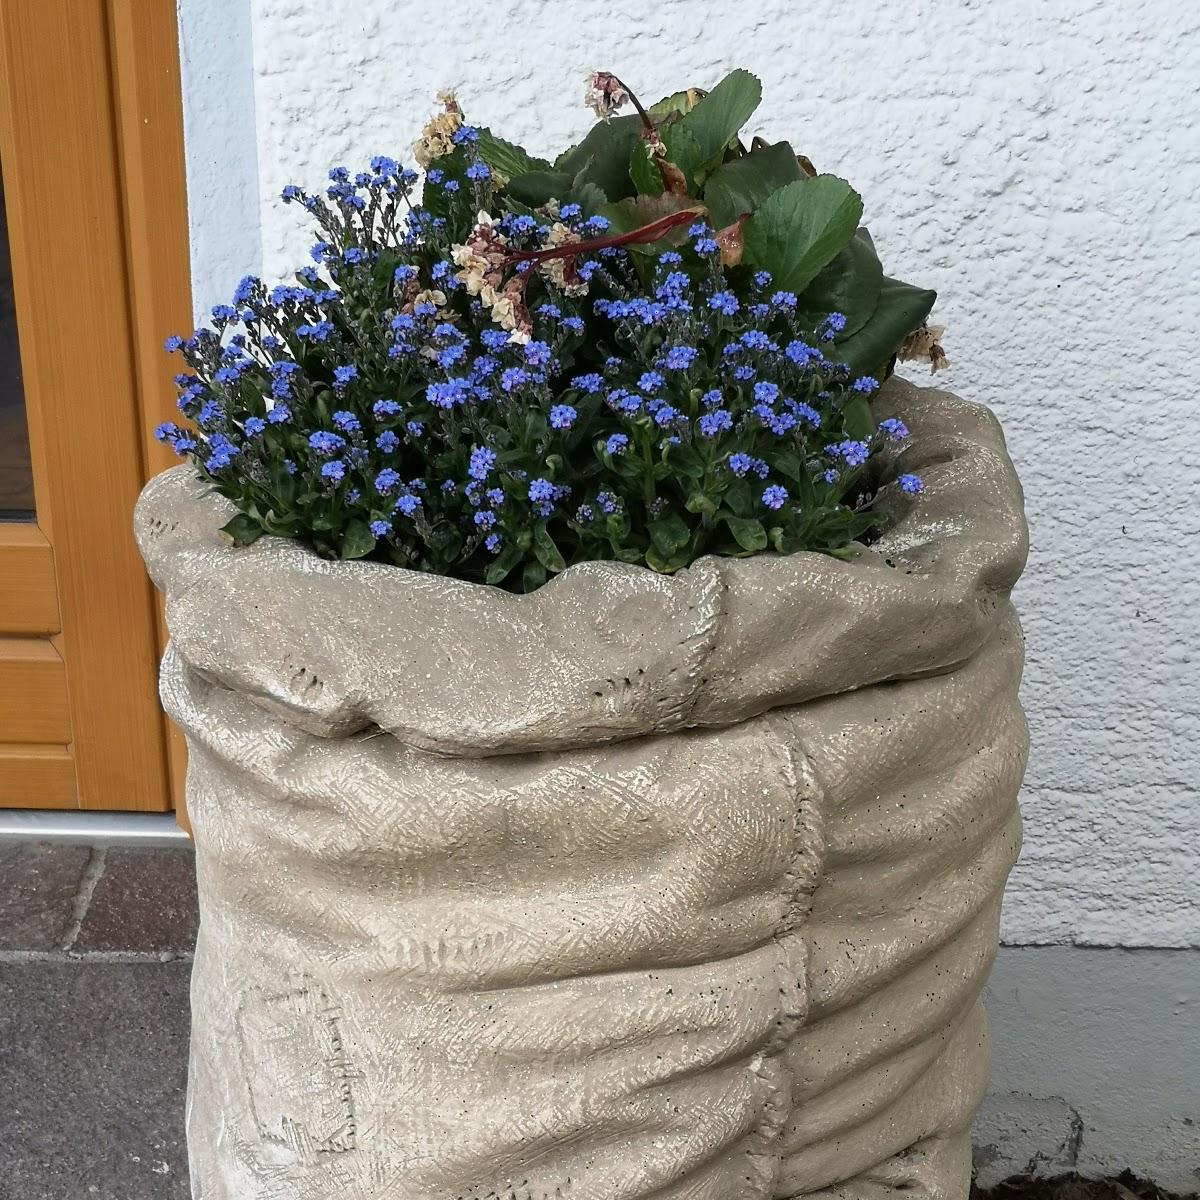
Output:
x,y
650,411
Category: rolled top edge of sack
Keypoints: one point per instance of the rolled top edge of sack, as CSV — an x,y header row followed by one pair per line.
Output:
x,y
605,650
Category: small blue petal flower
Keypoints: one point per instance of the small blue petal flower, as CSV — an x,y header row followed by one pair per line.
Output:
x,y
775,496
712,423
482,462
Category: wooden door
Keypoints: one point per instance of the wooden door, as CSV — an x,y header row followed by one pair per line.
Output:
x,y
94,276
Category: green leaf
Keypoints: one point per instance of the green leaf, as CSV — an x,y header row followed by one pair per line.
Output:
x,y
645,175
742,185
786,462
857,418
666,564
801,227
507,157
684,151
748,533
357,541
546,552
587,195
669,534
677,102
849,285
602,157
536,188
532,577
698,502
685,459
500,567
900,310
242,530
716,120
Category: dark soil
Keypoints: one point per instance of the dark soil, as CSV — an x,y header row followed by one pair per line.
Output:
x,y
1125,1186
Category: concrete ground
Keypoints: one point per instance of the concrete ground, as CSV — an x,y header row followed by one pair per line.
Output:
x,y
1096,1065
95,950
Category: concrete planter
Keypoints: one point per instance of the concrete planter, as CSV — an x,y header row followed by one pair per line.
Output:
x,y
635,887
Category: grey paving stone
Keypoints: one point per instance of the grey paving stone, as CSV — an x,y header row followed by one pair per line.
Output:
x,y
92,1076
38,883
144,900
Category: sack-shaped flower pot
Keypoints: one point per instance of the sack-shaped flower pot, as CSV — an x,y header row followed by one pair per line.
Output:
x,y
637,886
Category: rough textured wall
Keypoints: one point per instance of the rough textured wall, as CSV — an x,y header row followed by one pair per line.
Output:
x,y
1037,164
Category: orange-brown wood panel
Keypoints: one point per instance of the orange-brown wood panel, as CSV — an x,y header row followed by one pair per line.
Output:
x,y
28,597
37,777
145,57
33,692
70,276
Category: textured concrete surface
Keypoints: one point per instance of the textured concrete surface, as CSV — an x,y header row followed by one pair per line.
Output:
x,y
38,885
1035,163
92,1076
93,1043
1096,1065
659,896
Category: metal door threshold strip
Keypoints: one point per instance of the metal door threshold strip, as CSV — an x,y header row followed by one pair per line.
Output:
x,y
94,828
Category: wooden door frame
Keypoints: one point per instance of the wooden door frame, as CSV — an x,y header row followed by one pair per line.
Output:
x,y
91,139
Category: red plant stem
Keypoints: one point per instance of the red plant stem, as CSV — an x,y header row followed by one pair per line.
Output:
x,y
639,236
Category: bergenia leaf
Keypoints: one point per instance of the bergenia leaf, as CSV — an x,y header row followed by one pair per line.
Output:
x,y
716,119
602,157
507,157
801,227
741,185
849,284
900,310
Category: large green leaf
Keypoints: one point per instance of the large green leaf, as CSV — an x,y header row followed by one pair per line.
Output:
x,y
683,151
677,102
849,285
716,120
900,310
507,157
642,170
748,533
669,534
741,185
801,227
545,550
242,530
602,157
358,540
535,188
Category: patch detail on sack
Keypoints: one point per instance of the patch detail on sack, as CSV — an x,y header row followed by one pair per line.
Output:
x,y
299,1078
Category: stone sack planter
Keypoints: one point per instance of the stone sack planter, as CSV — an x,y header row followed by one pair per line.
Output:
x,y
634,887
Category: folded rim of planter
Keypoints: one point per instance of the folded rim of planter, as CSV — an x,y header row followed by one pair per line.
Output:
x,y
605,650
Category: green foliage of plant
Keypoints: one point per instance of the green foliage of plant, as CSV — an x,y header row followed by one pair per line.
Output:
x,y
656,346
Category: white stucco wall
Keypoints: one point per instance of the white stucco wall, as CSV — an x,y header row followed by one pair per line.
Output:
x,y
1035,160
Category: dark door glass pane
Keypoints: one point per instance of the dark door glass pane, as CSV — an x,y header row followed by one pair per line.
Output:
x,y
16,478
